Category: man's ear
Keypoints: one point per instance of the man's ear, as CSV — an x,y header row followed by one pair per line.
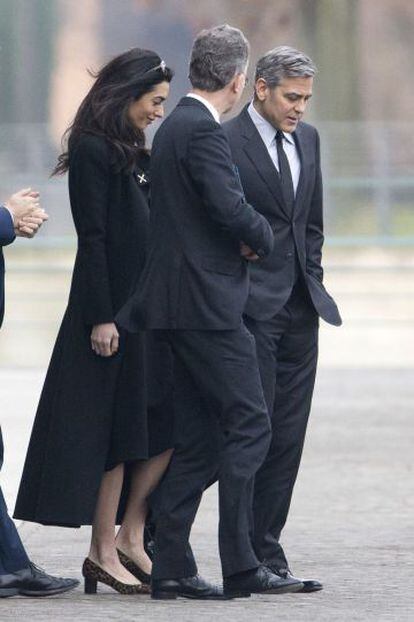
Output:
x,y
238,82
261,89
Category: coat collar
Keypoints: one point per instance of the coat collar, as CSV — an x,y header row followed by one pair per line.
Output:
x,y
192,101
207,104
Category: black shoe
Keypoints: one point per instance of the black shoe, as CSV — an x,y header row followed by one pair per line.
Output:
x,y
188,587
259,580
6,586
33,581
309,585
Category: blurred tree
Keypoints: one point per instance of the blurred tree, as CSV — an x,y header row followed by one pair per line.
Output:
x,y
78,47
26,39
331,33
265,23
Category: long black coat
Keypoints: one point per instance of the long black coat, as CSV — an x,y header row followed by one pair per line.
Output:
x,y
92,413
299,233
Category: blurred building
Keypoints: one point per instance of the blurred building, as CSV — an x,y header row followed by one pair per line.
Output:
x,y
362,101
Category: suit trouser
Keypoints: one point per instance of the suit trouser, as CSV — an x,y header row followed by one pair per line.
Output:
x,y
12,554
287,351
223,427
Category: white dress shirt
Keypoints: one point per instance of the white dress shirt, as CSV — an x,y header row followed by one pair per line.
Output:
x,y
207,104
268,135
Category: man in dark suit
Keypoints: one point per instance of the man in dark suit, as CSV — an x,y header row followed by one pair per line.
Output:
x,y
20,215
194,288
278,160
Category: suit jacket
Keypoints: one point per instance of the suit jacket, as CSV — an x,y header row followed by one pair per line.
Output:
x,y
7,236
298,235
194,276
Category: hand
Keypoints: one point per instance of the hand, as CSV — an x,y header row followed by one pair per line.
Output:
x,y
28,226
22,203
247,253
105,339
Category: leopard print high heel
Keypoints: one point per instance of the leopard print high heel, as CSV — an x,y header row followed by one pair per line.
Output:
x,y
94,574
133,568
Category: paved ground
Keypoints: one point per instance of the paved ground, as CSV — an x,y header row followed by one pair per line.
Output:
x,y
351,523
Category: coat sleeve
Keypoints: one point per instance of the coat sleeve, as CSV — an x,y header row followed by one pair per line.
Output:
x,y
314,229
7,234
211,168
89,171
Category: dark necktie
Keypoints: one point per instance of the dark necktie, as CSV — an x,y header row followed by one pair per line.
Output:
x,y
284,173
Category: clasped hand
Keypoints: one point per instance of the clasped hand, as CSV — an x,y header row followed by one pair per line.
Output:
x,y
28,216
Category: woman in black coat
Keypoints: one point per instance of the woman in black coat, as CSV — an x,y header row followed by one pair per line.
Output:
x,y
104,421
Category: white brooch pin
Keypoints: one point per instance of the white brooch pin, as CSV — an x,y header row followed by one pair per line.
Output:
x,y
142,178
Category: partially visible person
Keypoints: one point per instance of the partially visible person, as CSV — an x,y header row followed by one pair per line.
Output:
x,y
20,215
278,158
102,436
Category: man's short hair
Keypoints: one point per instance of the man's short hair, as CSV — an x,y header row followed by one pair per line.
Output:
x,y
218,54
284,62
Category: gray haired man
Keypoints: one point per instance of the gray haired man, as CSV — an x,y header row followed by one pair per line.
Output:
x,y
193,291
278,159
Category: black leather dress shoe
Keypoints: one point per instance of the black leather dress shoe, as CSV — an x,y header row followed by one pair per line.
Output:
x,y
260,580
33,581
188,587
309,585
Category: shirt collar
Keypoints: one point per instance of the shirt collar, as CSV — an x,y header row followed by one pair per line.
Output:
x,y
207,104
266,129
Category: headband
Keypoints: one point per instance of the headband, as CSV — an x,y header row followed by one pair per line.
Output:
x,y
161,66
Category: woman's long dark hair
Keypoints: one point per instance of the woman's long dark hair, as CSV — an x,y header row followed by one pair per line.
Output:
x,y
104,111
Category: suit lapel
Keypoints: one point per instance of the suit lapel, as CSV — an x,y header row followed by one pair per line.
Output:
x,y
258,154
301,146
